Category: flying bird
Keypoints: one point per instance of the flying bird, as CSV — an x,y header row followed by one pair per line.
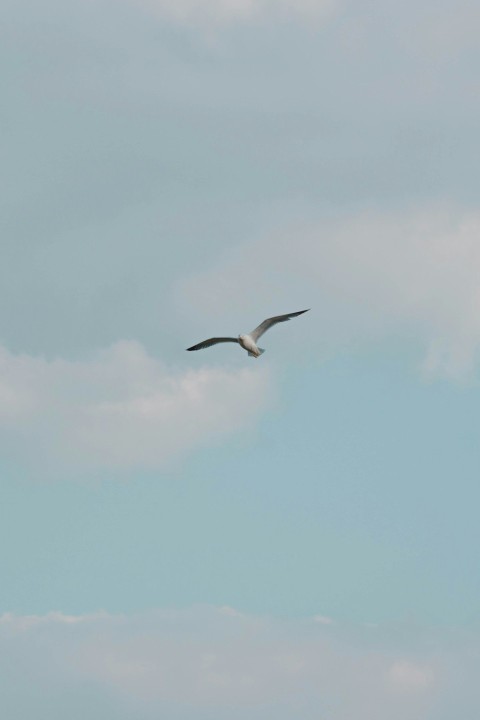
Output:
x,y
249,341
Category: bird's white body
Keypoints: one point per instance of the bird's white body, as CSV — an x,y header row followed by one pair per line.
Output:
x,y
248,344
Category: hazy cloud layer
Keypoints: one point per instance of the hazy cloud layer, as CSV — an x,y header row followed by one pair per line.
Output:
x,y
133,150
226,12
121,408
206,663
367,277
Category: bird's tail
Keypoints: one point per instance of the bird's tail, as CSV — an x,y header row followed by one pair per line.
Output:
x,y
260,352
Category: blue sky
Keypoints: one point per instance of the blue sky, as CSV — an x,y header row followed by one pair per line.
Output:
x,y
194,535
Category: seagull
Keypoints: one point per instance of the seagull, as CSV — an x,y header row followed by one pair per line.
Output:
x,y
249,341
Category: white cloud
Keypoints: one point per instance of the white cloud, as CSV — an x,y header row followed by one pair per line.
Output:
x,y
226,12
370,277
205,662
410,676
323,620
122,408
22,623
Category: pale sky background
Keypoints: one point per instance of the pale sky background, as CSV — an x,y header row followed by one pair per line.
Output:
x,y
202,535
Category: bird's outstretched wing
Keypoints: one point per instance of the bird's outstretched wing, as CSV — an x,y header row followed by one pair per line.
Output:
x,y
212,341
269,322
